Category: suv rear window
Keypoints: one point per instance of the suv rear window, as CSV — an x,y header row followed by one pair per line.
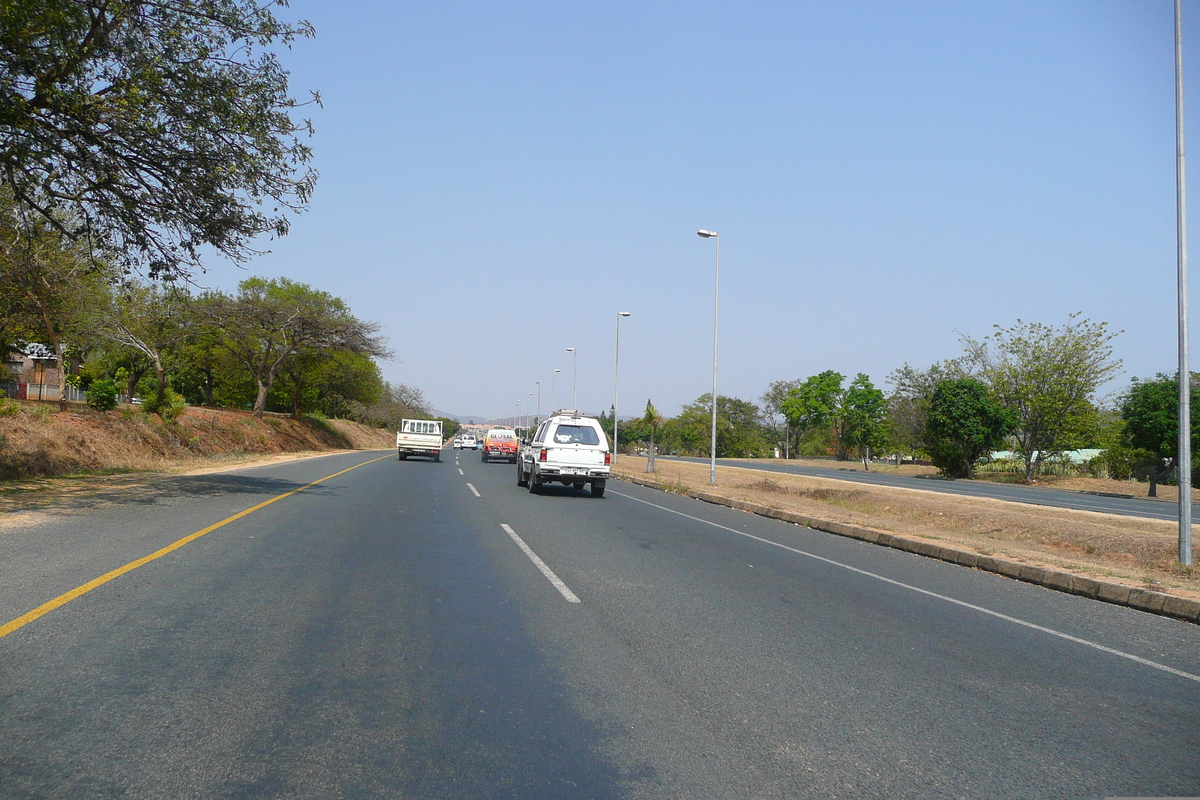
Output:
x,y
576,434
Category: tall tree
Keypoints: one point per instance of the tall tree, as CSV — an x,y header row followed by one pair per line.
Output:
x,y
865,411
155,127
45,281
908,405
269,321
816,403
1047,377
772,406
739,434
1150,409
148,318
964,421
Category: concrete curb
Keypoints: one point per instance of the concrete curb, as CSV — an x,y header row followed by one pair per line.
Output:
x,y
1106,591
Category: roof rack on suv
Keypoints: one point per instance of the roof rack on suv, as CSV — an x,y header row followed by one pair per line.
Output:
x,y
568,412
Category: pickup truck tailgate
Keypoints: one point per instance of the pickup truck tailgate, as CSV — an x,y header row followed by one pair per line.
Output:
x,y
574,456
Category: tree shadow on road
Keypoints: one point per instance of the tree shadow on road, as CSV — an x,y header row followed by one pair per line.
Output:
x,y
65,496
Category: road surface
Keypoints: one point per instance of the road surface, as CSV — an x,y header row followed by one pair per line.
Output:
x,y
420,629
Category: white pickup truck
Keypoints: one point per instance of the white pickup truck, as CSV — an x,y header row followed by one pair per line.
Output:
x,y
419,437
568,448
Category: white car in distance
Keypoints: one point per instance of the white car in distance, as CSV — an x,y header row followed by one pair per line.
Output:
x,y
568,448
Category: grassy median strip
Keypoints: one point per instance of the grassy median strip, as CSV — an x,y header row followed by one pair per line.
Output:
x,y
79,591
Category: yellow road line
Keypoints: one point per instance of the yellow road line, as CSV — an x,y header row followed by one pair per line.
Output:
x,y
79,591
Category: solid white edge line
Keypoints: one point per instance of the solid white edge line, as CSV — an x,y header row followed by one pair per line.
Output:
x,y
475,491
537,562
964,604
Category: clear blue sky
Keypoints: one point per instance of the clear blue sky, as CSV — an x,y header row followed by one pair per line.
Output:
x,y
499,179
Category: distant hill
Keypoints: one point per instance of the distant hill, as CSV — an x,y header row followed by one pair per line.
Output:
x,y
437,412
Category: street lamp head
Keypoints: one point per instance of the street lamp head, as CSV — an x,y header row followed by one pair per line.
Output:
x,y
623,313
570,349
707,234
558,370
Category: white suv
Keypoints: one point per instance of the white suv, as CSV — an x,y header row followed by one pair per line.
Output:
x,y
568,448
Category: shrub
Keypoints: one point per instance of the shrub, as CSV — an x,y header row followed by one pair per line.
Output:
x,y
9,408
102,395
169,409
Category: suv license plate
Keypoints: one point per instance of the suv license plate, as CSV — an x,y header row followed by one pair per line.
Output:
x,y
574,471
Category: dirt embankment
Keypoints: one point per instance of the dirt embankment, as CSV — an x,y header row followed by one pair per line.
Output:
x,y
40,440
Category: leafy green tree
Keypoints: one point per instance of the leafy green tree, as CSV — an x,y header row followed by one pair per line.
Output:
x,y
864,409
739,434
964,421
1047,377
330,383
155,128
148,318
908,404
270,321
1150,409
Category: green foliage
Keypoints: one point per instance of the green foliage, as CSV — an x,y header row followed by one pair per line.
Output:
x,y
853,416
9,408
815,443
102,395
815,402
271,321
169,408
1150,410
1046,377
908,404
964,422
1121,463
152,128
739,434
864,409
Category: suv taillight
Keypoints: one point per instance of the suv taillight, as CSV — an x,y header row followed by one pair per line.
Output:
x,y
607,459
542,455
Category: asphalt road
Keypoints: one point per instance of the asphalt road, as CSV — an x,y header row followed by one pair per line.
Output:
x,y
380,634
1084,501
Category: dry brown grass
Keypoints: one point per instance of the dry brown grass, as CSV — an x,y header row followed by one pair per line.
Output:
x,y
1139,552
41,441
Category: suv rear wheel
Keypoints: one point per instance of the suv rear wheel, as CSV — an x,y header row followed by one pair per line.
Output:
x,y
598,488
522,478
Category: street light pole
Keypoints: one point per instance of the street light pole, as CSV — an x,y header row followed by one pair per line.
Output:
x,y
617,382
574,377
539,400
552,407
712,459
1185,373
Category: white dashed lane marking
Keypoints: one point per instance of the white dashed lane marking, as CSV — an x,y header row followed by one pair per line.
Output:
x,y
541,565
